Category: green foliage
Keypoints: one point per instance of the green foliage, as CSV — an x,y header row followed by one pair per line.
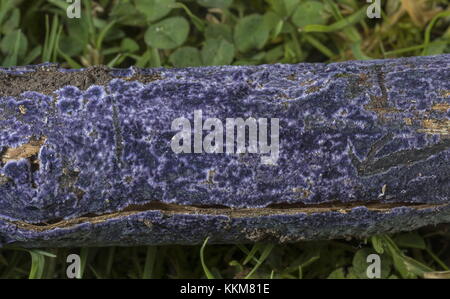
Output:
x,y
215,3
14,46
217,51
38,263
250,33
150,261
208,273
168,34
309,13
284,8
406,255
158,32
154,9
185,57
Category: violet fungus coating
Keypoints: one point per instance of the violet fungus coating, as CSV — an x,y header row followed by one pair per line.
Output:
x,y
87,155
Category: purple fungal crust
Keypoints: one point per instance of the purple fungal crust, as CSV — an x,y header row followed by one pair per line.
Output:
x,y
358,132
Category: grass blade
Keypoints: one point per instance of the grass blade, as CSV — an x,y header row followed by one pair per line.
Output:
x,y
149,262
208,273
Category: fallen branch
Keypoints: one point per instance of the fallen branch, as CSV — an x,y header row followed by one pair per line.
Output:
x,y
278,153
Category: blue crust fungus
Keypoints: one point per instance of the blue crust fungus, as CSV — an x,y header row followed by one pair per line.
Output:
x,y
86,160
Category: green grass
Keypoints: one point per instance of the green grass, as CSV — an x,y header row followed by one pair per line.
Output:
x,y
408,255
149,33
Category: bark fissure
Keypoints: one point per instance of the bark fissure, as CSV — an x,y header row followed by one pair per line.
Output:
x,y
271,210
371,166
